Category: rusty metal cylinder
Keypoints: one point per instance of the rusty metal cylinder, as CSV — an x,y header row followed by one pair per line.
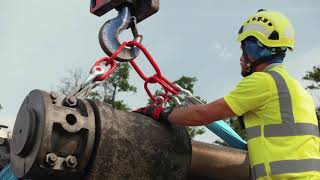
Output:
x,y
143,148
85,139
211,161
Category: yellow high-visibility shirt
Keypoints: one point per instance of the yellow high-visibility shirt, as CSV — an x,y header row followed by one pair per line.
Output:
x,y
283,132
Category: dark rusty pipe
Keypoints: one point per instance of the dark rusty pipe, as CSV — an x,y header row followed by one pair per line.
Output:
x,y
133,146
211,161
89,140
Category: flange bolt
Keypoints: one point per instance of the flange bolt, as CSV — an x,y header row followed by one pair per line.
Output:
x,y
71,161
51,159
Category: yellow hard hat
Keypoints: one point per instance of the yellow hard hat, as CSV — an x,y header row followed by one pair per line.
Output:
x,y
271,28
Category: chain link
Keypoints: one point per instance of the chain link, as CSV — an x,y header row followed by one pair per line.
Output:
x,y
98,73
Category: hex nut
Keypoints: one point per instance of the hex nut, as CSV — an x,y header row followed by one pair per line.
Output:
x,y
53,95
71,161
72,101
51,159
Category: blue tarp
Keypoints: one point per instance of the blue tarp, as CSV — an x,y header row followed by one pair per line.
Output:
x,y
227,134
7,174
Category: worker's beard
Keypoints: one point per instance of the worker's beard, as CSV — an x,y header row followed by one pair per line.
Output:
x,y
245,69
247,63
245,72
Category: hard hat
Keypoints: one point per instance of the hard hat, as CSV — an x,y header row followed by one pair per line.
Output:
x,y
271,28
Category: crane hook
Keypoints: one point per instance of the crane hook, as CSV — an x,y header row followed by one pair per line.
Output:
x,y
110,31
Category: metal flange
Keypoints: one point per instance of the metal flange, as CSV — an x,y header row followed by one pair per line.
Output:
x,y
47,132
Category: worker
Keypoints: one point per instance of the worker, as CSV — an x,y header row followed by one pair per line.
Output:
x,y
278,113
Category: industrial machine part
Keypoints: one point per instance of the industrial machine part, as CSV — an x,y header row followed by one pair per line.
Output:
x,y
84,139
141,8
110,32
130,13
211,161
4,152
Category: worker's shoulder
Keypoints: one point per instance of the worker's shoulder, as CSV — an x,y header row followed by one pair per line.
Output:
x,y
255,83
258,78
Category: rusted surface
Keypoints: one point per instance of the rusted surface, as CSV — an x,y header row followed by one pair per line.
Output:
x,y
211,161
91,140
46,132
133,146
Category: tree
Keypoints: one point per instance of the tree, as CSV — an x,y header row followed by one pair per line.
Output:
x,y
0,106
237,124
186,83
117,82
73,79
313,76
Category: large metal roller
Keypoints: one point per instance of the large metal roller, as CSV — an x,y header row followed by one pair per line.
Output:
x,y
84,139
211,161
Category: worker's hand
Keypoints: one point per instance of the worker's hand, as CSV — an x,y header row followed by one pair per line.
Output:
x,y
157,113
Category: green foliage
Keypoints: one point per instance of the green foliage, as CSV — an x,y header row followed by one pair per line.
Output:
x,y
237,124
117,82
119,79
95,95
193,131
188,83
222,143
0,106
313,76
120,105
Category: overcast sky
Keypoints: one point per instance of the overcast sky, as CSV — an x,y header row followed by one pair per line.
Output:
x,y
41,40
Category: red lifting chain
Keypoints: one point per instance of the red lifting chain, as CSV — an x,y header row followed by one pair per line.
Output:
x,y
156,78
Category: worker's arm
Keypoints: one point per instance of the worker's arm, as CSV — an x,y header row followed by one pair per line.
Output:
x,y
251,93
201,114
192,116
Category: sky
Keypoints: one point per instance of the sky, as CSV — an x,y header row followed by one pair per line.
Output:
x,y
40,41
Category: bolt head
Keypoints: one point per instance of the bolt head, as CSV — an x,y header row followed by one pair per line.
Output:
x,y
51,159
72,101
71,161
53,95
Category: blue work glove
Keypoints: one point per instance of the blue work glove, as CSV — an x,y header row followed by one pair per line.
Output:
x,y
157,113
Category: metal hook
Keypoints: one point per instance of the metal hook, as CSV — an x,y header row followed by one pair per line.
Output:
x,y
109,35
